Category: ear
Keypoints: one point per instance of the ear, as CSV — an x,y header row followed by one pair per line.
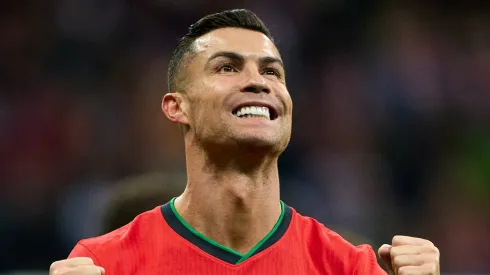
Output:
x,y
173,106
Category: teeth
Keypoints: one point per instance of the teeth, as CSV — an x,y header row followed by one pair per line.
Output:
x,y
253,111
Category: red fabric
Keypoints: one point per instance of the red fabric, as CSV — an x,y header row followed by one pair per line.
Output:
x,y
149,246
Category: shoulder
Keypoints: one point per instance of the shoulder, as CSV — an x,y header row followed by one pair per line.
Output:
x,y
313,230
121,239
332,250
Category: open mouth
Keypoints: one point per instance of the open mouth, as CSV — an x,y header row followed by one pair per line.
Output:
x,y
255,111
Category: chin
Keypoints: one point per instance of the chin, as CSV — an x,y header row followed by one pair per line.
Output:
x,y
254,141
264,140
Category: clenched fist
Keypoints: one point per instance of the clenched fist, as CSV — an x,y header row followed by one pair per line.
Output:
x,y
76,266
410,256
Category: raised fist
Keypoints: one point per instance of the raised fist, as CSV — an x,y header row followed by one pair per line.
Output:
x,y
75,266
410,256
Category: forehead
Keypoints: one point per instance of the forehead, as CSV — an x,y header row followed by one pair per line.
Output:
x,y
245,42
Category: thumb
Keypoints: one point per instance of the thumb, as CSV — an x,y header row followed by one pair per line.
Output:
x,y
384,254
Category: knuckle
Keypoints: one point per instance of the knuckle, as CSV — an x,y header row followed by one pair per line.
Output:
x,y
398,260
435,250
58,271
395,238
435,258
85,260
393,251
432,268
403,271
437,262
430,243
55,267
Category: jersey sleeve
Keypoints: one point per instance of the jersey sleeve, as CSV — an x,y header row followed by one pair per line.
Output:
x,y
367,263
80,250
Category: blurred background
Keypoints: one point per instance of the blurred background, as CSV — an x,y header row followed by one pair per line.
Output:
x,y
391,131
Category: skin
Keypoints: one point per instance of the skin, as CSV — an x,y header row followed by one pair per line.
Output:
x,y
409,255
232,194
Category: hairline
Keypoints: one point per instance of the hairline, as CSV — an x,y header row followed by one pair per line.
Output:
x,y
192,52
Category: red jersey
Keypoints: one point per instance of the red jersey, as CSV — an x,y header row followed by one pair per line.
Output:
x,y
161,242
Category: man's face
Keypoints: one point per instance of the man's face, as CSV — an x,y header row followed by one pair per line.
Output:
x,y
236,90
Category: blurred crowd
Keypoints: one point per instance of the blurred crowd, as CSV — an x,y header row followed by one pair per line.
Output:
x,y
391,128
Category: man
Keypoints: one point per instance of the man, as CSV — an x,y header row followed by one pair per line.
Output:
x,y
135,195
228,92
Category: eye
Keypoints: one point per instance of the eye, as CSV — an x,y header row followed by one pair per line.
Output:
x,y
226,68
271,71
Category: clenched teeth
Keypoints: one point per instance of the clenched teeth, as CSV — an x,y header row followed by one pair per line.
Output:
x,y
253,111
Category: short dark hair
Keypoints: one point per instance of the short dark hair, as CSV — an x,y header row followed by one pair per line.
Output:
x,y
237,18
135,195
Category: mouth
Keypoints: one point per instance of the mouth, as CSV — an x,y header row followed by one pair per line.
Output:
x,y
255,111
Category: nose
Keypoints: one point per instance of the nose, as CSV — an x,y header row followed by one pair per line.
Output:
x,y
255,83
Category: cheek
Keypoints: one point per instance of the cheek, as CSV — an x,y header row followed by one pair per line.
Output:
x,y
286,99
226,81
289,100
206,109
217,90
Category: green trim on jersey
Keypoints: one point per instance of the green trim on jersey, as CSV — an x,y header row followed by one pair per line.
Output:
x,y
257,246
243,257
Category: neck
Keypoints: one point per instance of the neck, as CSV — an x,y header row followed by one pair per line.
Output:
x,y
232,204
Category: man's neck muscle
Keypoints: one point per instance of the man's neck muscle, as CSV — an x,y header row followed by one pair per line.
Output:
x,y
233,208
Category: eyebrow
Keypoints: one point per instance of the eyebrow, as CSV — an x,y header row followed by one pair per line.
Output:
x,y
265,60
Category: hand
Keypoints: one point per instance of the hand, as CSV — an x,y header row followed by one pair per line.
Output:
x,y
410,256
76,266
